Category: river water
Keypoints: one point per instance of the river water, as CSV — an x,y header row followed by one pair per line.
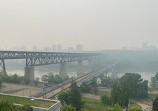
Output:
x,y
38,74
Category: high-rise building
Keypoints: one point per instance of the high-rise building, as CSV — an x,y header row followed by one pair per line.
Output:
x,y
59,47
70,49
54,48
23,48
47,49
35,48
79,48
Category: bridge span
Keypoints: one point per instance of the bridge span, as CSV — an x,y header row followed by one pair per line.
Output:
x,y
46,58
52,91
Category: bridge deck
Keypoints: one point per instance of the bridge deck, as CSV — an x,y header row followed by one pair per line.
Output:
x,y
66,86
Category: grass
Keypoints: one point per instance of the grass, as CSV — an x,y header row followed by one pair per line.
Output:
x,y
14,91
153,96
94,105
26,101
101,93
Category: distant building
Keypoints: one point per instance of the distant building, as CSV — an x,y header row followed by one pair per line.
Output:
x,y
79,48
23,48
70,49
47,49
59,47
144,46
54,48
98,81
35,48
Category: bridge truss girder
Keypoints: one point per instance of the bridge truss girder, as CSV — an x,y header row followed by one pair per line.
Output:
x,y
38,61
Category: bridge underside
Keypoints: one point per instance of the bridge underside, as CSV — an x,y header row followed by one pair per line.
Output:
x,y
46,58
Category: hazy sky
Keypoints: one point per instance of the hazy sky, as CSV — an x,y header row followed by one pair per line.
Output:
x,y
97,24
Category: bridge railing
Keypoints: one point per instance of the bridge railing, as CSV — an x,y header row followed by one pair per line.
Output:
x,y
54,87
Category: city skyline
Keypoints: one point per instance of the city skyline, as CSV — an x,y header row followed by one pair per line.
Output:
x,y
98,25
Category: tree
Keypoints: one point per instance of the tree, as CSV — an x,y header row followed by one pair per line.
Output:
x,y
135,107
94,82
106,82
26,108
7,106
64,96
106,100
116,107
120,93
0,81
155,105
72,97
85,87
154,81
75,96
53,79
36,81
137,87
68,108
44,78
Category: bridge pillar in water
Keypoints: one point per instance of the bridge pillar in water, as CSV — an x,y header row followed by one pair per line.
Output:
x,y
80,69
29,74
62,70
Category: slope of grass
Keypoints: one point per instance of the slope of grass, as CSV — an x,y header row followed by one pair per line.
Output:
x,y
94,105
27,101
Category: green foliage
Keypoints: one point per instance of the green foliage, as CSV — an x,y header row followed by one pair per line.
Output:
x,y
53,79
120,93
85,87
155,105
68,108
26,101
116,107
14,79
26,108
75,97
44,78
95,90
107,82
135,107
106,100
7,106
72,97
0,81
137,87
84,109
64,96
94,82
154,81
94,105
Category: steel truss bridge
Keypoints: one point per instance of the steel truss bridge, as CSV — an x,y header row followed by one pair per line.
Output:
x,y
44,58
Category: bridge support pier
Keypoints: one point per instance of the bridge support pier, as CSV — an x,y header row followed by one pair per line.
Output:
x,y
29,74
62,70
80,70
2,65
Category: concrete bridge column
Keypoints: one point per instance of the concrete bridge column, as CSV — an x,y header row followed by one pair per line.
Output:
x,y
29,74
62,70
80,69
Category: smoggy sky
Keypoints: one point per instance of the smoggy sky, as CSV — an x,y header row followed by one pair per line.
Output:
x,y
97,24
